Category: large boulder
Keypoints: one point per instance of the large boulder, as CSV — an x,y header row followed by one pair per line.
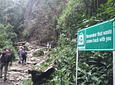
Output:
x,y
38,53
39,77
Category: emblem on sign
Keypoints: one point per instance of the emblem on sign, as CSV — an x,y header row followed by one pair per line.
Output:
x,y
81,39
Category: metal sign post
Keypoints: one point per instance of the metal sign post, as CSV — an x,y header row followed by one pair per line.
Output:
x,y
76,64
114,54
113,67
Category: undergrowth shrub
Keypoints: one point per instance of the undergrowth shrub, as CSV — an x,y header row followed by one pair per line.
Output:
x,y
26,82
38,53
64,59
94,67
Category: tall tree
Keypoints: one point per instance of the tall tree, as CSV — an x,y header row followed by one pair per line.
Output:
x,y
12,12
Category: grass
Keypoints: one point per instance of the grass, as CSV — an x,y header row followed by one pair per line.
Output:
x,y
26,82
10,70
36,56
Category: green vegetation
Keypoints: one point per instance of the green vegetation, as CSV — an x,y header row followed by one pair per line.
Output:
x,y
38,53
11,24
95,67
7,37
26,82
62,19
10,70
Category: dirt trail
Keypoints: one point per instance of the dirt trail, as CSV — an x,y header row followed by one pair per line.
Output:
x,y
18,72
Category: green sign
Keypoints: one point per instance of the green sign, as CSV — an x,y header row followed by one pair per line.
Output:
x,y
100,37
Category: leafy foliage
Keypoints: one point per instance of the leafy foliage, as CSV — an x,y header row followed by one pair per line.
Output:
x,y
108,9
12,12
38,53
65,17
94,68
7,37
26,82
11,23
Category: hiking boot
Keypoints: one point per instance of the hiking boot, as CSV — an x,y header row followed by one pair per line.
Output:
x,y
5,79
19,62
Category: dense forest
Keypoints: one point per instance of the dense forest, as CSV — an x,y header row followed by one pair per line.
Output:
x,y
57,22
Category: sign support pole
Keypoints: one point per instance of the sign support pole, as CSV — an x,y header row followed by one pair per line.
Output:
x,y
76,65
113,67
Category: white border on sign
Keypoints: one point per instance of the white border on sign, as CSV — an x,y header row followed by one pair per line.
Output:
x,y
114,35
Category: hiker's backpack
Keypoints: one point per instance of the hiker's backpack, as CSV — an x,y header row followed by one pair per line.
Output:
x,y
19,51
23,52
7,57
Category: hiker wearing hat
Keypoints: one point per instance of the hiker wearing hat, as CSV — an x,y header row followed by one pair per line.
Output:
x,y
19,54
5,59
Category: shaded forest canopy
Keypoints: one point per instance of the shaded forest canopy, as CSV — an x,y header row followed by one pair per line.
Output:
x,y
57,21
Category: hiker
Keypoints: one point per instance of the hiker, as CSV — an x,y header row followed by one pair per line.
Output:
x,y
5,59
24,55
48,46
19,54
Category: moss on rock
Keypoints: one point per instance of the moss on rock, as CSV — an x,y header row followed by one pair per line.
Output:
x,y
38,53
